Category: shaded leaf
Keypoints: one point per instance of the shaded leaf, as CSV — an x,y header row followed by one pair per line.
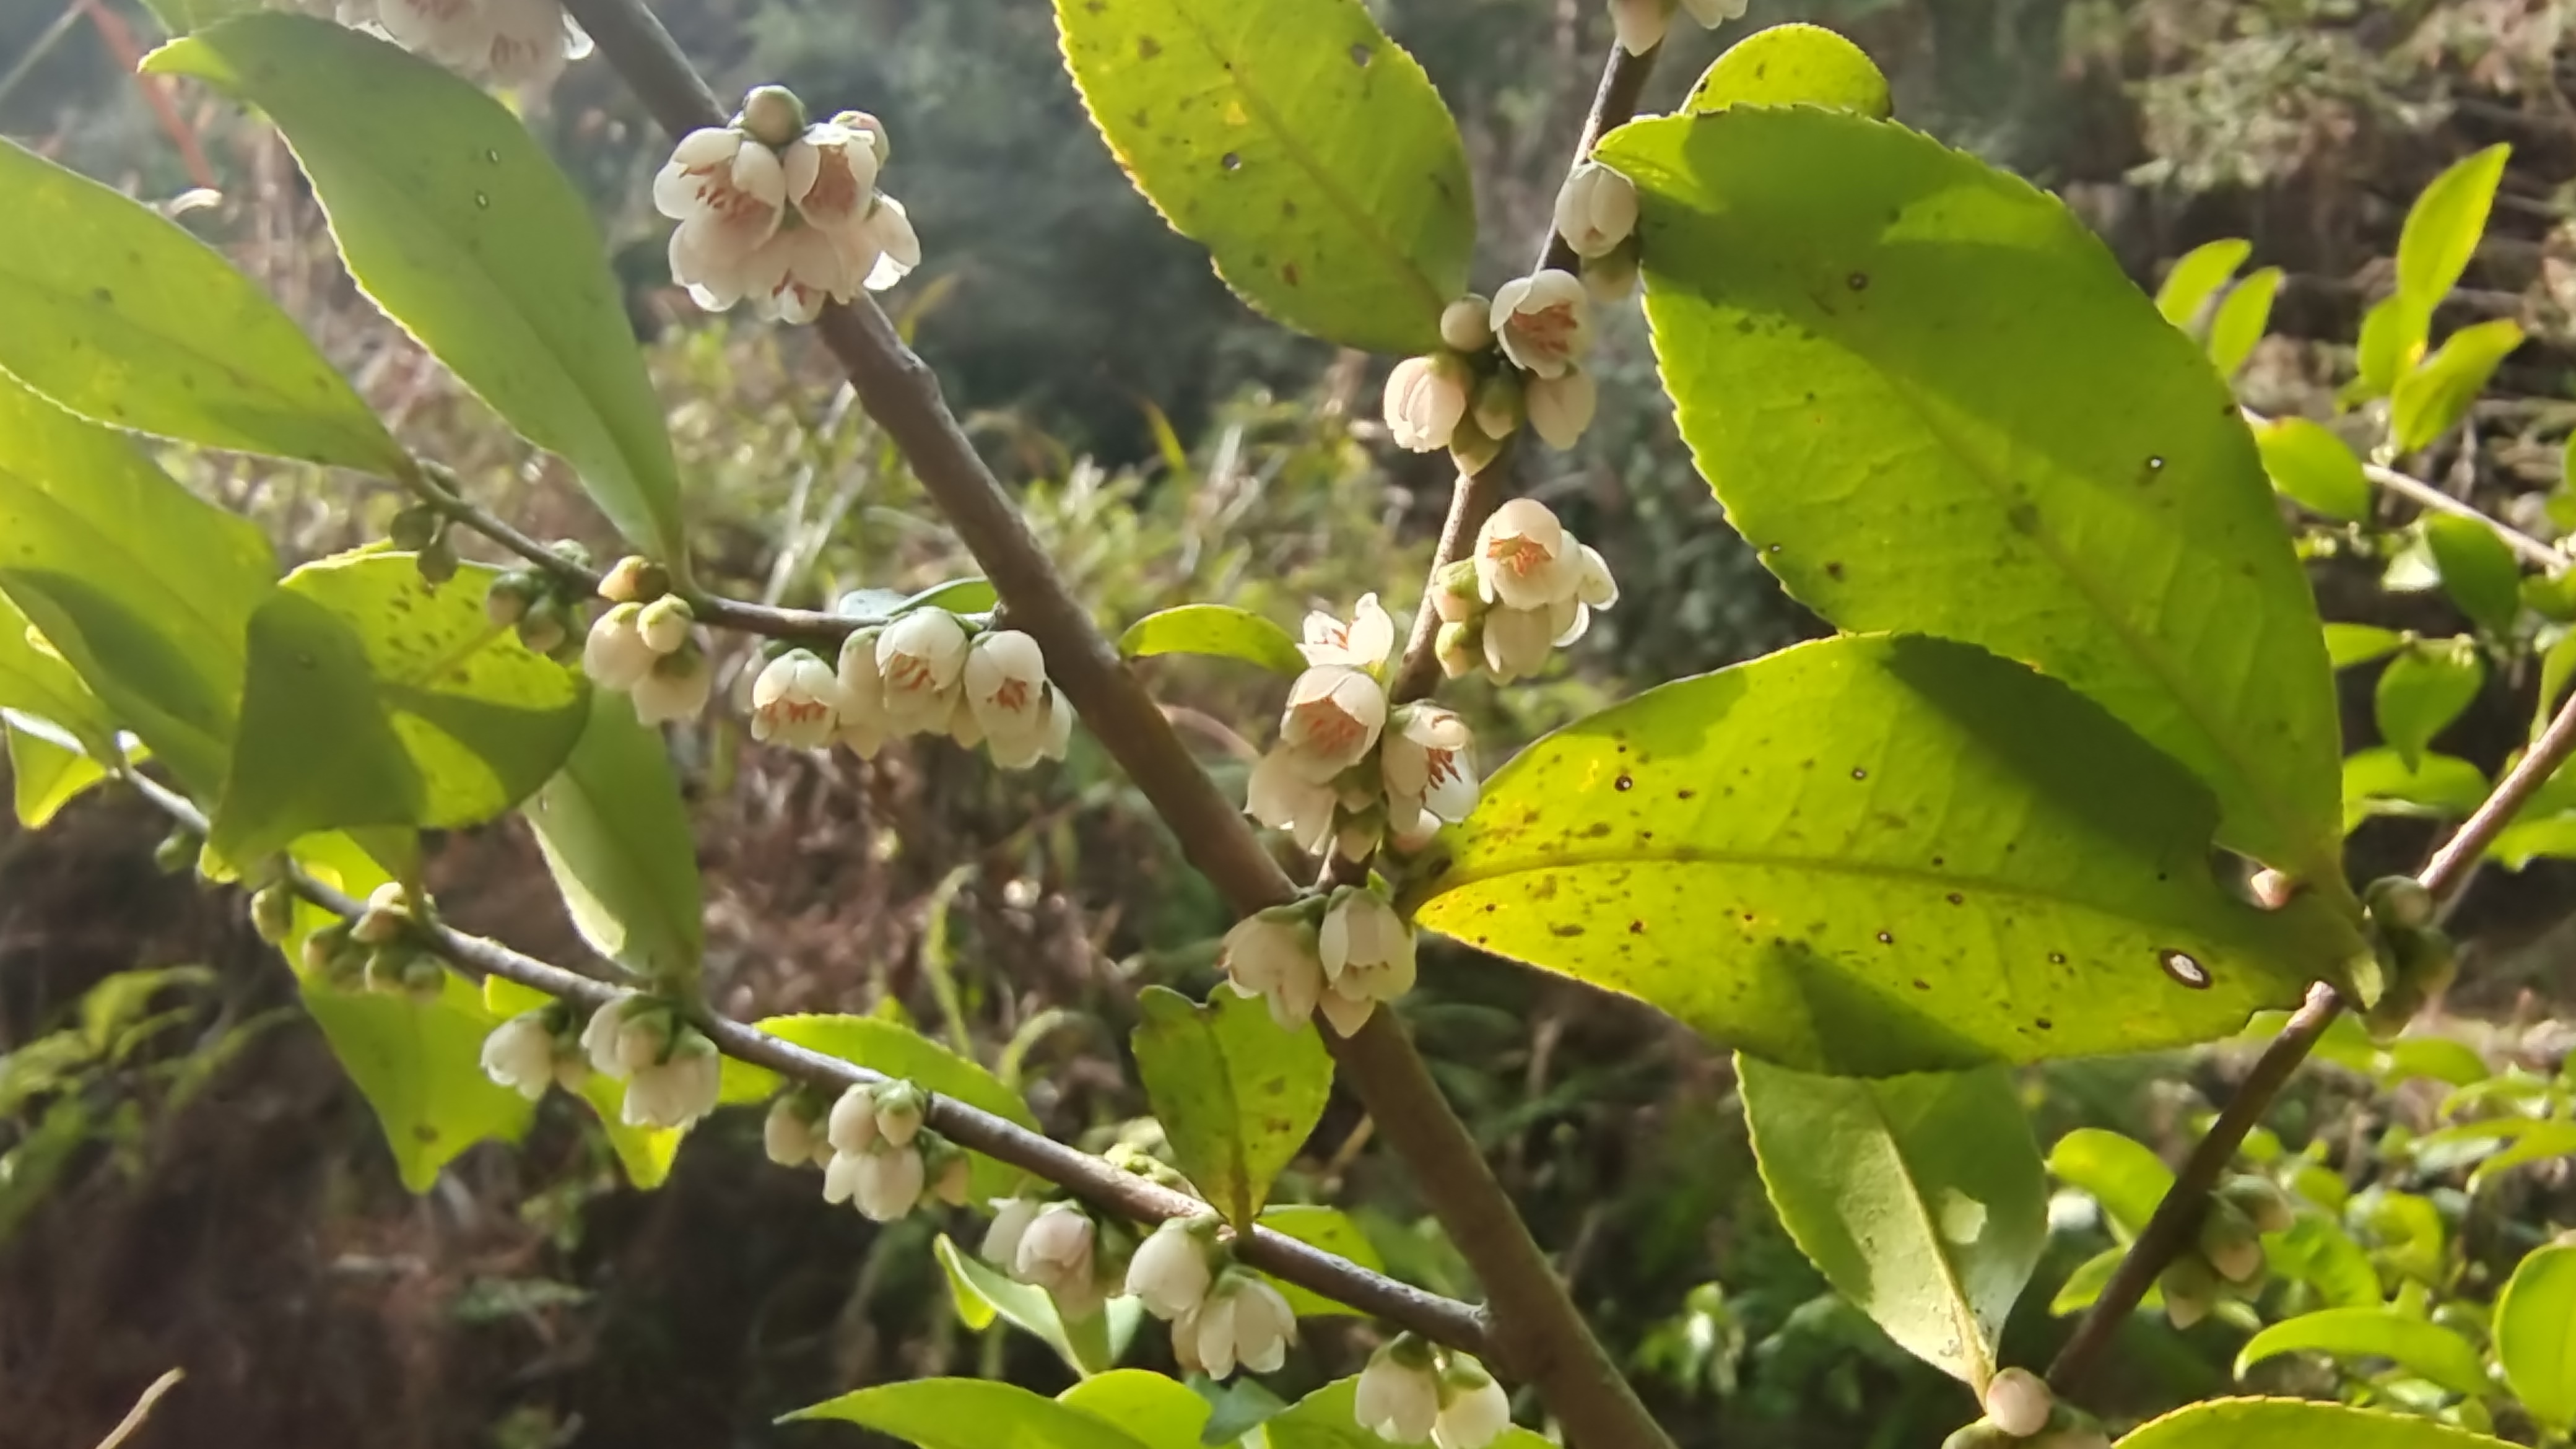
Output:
x,y
421,1068
2197,275
2535,1335
1214,629
2549,1139
1873,855
1920,1198
2443,226
2272,1423
2083,1287
1793,64
1894,384
453,220
2421,1347
899,1051
2377,782
2118,1172
2351,644
2240,319
2478,570
616,835
1236,1095
2434,396
2306,461
47,768
971,1414
1295,142
1331,1230
2422,690
2316,1252
120,315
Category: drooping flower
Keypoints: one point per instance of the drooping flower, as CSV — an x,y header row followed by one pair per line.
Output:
x,y
1021,715
2019,1403
454,33
520,1054
1170,1274
1714,13
797,271
1596,209
1367,953
851,1126
1474,1410
728,192
675,688
888,228
1428,764
1333,718
1281,795
615,655
1517,641
1561,407
1544,321
831,179
888,1182
1398,1397
629,1032
677,1090
1425,398
665,624
795,702
1274,954
1363,643
1243,1320
787,1134
920,659
1525,559
899,1108
1640,23
1011,1219
1055,1254
527,42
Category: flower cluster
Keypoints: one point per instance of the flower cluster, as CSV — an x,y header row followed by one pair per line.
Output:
x,y
783,212
1341,954
522,44
925,673
2227,1256
1641,23
1467,399
1050,1245
378,951
536,1050
1530,586
669,1067
1412,1391
873,1150
1221,1315
647,645
1347,769
1596,213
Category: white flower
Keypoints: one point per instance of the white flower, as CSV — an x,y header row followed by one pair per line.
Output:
x,y
728,192
528,42
920,658
898,250
1011,1219
1517,640
1243,1321
797,271
1596,209
1714,13
1367,954
831,177
1399,1393
1425,398
1597,589
627,1033
898,1113
951,1178
615,655
841,1176
788,1134
677,1090
795,701
1273,954
852,1126
1363,643
451,32
1333,717
2019,1402
664,624
1474,1410
1640,23
1544,321
675,688
1170,1273
1525,559
1428,765
1561,407
1466,325
1055,1251
520,1054
1018,712
889,1182
1280,795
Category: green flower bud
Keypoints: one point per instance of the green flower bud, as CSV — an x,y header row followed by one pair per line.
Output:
x,y
511,595
773,116
413,528
2228,1240
1471,449
1499,406
1983,1434
437,561
272,913
424,978
2264,1204
2399,903
1467,325
635,579
544,628
178,851
1460,647
2191,1289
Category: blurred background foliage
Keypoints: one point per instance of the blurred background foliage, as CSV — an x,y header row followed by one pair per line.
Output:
x,y
189,1179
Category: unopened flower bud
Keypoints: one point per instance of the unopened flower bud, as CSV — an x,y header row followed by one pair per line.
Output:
x,y
1609,278
872,128
772,115
272,912
1460,647
1466,325
1596,209
1426,397
788,1134
852,1126
386,967
1454,595
544,627
1561,407
1471,449
2263,1203
2227,1239
898,1114
324,947
1499,408
952,1174
507,602
2399,902
388,915
2019,1402
635,579
424,977
436,561
178,851
413,528
1983,1434
665,624
2191,1289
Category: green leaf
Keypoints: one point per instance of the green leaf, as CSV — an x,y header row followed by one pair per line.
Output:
x,y
2535,1335
1088,1346
2240,319
2433,397
1331,1230
2377,782
1920,1198
1214,629
420,1065
374,699
1236,1095
2310,464
2316,1252
2118,1172
899,1051
2478,570
1298,144
2443,226
2421,1347
2392,341
2407,1228
2083,1287
120,315
2438,1058
2556,1138
1328,1418
1159,1411
2422,690
144,589
48,769
2351,644
1895,384
2274,1423
454,221
2197,275
34,680
972,1414
1873,855
616,835
1794,64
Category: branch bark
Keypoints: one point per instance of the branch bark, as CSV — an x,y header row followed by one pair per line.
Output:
x,y
1536,1333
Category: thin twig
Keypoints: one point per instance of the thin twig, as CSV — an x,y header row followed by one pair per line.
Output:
x,y
1536,1332
142,1409
2177,1217
2423,494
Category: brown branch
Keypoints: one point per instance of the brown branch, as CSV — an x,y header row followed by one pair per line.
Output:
x,y
1537,1334
2177,1217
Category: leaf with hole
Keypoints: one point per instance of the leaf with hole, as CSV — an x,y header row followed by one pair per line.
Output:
x,y
373,699
1895,385
1793,64
2478,571
1236,1095
455,222
2377,782
2433,397
2117,1172
2196,276
2240,319
615,833
2535,1335
2443,226
2422,690
1874,855
2272,1423
2308,463
118,314
1214,629
898,1051
2423,1348
1920,1198
1295,142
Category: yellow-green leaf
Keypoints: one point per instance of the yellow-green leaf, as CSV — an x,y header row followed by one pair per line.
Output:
x,y
1793,64
2239,321
2422,690
2424,1348
2279,1423
2435,395
2535,1335
616,835
2312,466
1213,629
2197,275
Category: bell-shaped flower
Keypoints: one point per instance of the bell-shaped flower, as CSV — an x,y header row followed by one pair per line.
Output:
x,y
1242,1321
1561,407
1366,950
1056,1254
887,1182
520,1054
615,655
1011,1219
921,658
1170,1273
1013,705
1544,321
529,42
1596,209
677,1090
1474,1410
1274,954
1425,398
454,33
1517,641
1428,764
629,1032
728,192
1332,721
1398,1396
851,1126
1640,24
787,1134
796,702
799,270
1280,795
831,179
675,688
1714,13
1524,557
1363,643
888,230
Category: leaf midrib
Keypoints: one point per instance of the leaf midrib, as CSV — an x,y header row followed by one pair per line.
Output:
x,y
1961,1313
